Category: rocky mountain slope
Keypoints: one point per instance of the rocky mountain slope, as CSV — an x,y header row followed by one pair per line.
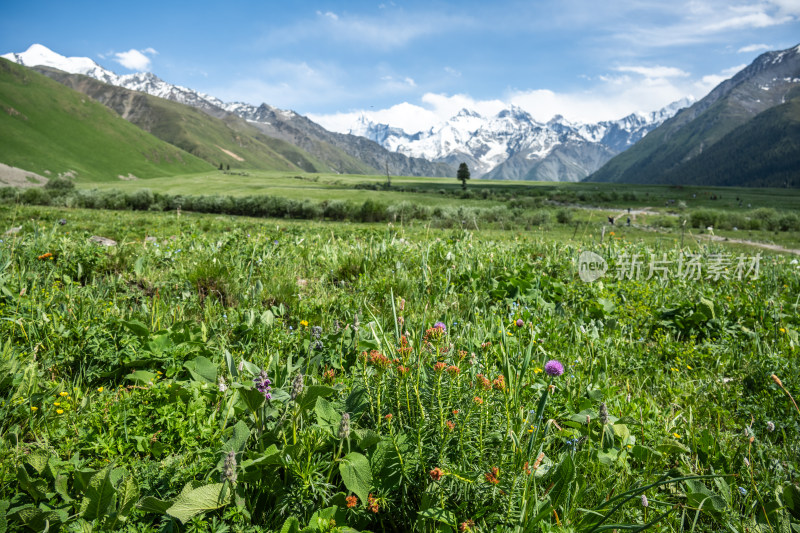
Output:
x,y
513,145
744,132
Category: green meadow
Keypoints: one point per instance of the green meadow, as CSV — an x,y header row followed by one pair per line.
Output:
x,y
448,366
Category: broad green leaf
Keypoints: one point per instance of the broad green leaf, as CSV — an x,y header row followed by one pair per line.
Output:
x,y
309,397
327,416
62,488
202,369
36,487
149,504
4,505
142,377
791,499
252,398
292,525
356,474
563,477
38,461
367,438
136,327
239,438
99,496
128,494
439,515
200,500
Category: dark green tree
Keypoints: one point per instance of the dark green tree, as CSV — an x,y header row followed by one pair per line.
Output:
x,y
463,175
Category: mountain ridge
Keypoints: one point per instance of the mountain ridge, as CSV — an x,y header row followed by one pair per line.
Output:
x,y
513,145
286,125
674,153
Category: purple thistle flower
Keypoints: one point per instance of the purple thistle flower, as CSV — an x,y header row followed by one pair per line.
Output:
x,y
441,326
554,368
263,383
520,322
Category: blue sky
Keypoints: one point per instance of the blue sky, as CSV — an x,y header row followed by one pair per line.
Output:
x,y
413,63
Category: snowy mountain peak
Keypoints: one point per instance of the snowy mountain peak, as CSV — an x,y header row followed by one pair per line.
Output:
x,y
40,55
513,135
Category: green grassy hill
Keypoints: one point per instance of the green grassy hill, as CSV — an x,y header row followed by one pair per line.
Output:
x,y
49,129
227,139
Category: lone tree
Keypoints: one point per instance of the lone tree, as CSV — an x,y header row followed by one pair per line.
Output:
x,y
463,175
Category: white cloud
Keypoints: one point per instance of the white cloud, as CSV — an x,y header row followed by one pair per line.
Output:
x,y
331,15
389,30
683,22
655,72
610,97
753,48
286,84
135,59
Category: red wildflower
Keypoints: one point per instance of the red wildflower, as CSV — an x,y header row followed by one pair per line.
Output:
x,y
376,359
455,412
405,348
388,417
42,257
499,383
453,370
372,504
450,425
483,382
492,477
478,400
466,526
438,367
403,370
352,501
436,474
329,375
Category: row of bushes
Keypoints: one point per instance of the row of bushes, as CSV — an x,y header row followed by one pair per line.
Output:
x,y
514,214
764,218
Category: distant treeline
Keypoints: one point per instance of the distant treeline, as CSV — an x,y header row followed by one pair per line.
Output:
x,y
513,214
516,212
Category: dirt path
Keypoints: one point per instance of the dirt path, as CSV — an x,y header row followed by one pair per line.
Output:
x,y
622,215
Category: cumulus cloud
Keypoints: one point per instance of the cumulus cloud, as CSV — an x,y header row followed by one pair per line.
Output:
x,y
135,59
633,90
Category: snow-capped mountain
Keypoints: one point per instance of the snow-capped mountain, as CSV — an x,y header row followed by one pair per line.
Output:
x,y
513,145
282,124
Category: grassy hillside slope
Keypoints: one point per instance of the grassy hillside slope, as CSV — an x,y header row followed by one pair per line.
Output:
x,y
227,139
49,129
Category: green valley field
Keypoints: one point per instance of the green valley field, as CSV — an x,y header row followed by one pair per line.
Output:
x,y
404,358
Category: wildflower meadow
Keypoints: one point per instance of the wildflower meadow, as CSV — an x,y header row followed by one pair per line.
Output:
x,y
212,373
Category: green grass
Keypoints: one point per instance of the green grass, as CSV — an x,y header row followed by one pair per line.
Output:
x,y
113,415
48,129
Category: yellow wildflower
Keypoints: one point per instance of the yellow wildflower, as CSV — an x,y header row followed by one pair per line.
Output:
x,y
34,408
304,323
63,393
676,435
99,389
56,404
60,411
